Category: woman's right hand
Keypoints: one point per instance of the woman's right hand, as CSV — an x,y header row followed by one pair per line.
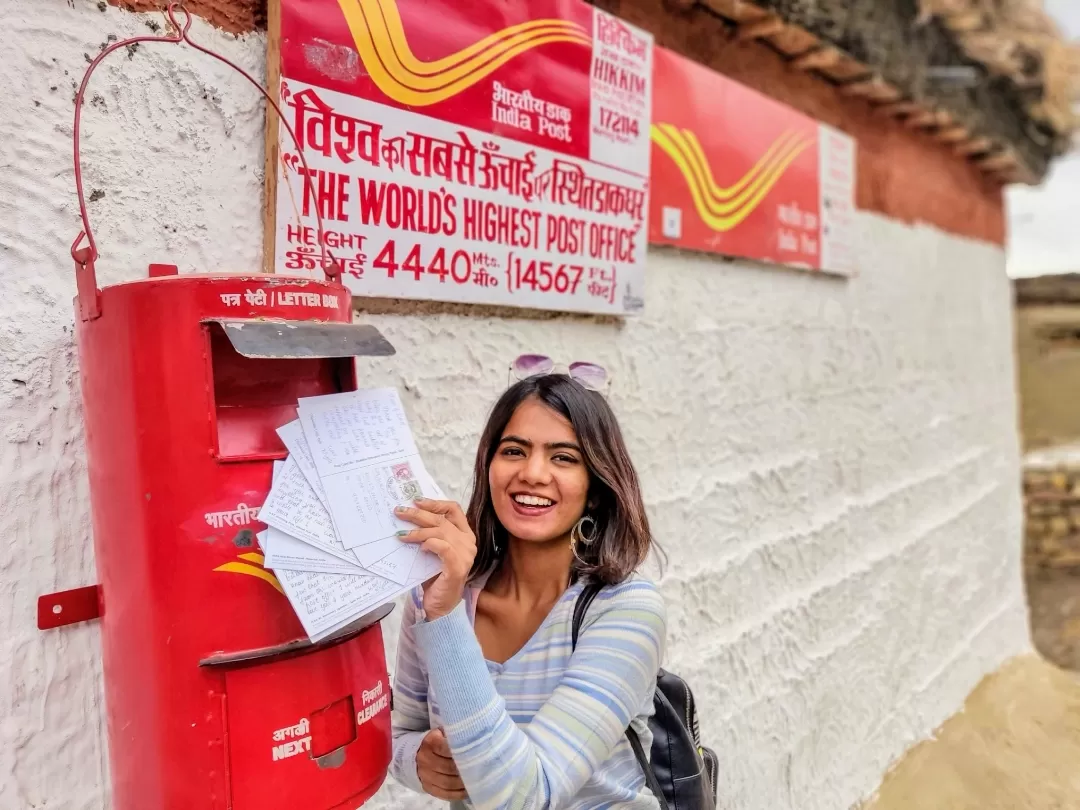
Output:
x,y
436,769
442,529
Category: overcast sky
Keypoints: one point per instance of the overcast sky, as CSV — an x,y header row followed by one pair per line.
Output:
x,y
1044,222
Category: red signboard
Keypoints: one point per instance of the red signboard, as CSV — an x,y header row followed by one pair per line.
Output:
x,y
489,151
736,173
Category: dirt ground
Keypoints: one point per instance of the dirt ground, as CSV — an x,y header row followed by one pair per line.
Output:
x,y
1015,746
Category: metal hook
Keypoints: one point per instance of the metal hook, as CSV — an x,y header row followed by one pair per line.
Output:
x,y
84,256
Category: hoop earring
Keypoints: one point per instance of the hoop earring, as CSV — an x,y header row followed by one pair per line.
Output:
x,y
494,542
579,535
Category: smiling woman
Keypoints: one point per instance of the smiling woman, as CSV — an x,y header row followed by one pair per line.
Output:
x,y
550,437
493,703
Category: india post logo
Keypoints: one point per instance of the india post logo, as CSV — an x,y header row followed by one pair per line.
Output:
x,y
393,67
723,208
251,564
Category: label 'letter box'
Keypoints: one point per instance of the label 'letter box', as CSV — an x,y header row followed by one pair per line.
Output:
x,y
215,698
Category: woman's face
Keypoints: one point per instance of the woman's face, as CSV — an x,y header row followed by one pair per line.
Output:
x,y
538,478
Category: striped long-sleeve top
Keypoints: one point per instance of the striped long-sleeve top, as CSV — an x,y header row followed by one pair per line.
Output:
x,y
545,729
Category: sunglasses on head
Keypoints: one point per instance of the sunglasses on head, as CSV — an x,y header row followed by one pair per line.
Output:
x,y
588,375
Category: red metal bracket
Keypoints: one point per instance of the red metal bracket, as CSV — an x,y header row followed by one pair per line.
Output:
x,y
86,283
68,607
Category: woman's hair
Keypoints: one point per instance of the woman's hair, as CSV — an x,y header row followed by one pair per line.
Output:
x,y
622,539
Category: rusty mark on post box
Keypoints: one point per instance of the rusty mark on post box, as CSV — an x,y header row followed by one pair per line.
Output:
x,y
245,538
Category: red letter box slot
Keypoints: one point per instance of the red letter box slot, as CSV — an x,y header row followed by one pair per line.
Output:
x,y
254,396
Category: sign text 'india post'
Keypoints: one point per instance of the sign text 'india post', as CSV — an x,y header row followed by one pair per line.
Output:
x,y
736,173
485,152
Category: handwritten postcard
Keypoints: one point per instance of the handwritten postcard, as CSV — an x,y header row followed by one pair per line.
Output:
x,y
332,533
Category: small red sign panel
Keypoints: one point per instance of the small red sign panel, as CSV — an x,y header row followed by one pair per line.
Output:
x,y
737,173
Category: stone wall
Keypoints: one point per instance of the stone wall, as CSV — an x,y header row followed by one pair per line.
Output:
x,y
1052,509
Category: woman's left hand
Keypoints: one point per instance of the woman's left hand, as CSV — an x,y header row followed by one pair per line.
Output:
x,y
443,530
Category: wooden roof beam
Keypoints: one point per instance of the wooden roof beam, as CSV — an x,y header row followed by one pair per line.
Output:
x,y
766,27
816,58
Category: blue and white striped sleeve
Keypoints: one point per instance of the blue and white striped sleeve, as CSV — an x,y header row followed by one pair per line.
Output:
x,y
410,716
544,765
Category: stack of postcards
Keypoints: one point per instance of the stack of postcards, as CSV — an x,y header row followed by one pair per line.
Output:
x,y
332,537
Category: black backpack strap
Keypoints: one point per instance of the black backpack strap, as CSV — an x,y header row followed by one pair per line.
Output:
x,y
646,766
585,598
581,607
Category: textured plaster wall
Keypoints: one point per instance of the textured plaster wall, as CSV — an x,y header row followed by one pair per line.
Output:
x,y
831,466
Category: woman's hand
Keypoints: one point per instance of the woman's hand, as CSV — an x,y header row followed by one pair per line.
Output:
x,y
436,769
443,530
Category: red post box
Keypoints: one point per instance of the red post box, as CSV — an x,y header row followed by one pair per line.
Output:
x,y
215,698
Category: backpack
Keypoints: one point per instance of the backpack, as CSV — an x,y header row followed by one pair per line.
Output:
x,y
681,773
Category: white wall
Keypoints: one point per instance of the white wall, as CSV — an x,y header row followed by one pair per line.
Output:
x,y
832,466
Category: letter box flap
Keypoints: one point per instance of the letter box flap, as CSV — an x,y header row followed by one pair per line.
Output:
x,y
289,339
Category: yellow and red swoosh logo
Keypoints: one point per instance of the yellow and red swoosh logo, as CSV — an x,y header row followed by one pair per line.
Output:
x,y
252,567
380,39
723,208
